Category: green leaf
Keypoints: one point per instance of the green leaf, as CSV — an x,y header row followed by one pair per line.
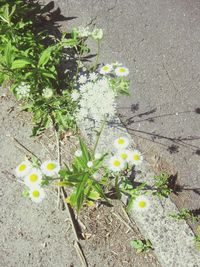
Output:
x,y
98,188
94,195
71,199
69,42
2,78
98,163
64,173
37,129
5,14
80,163
25,193
137,245
62,119
45,57
20,63
48,74
64,183
80,192
12,10
8,55
86,154
130,203
76,177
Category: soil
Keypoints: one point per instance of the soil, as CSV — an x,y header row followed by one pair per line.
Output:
x,y
109,232
40,235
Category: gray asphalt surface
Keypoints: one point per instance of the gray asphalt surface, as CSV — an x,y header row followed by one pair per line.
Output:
x,y
159,41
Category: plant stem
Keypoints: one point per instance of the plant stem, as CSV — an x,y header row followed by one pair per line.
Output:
x,y
25,148
51,179
57,135
98,136
117,187
98,53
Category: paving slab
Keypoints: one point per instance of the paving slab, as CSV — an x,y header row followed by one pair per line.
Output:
x,y
31,235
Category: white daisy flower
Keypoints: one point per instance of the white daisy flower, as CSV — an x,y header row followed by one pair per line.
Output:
x,y
135,157
121,143
23,169
141,203
90,164
121,71
33,178
36,194
93,77
50,168
75,95
124,154
106,69
82,79
78,153
116,164
97,155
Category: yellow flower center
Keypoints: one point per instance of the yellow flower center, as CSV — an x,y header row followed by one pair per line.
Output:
x,y
36,193
51,166
105,68
22,167
121,70
121,141
116,163
33,177
136,157
142,204
124,156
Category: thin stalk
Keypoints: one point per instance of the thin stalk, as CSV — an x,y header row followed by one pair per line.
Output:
x,y
98,136
57,135
97,57
117,186
79,59
59,159
20,145
51,179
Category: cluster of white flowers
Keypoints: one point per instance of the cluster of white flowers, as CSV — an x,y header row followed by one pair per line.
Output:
x,y
124,156
84,32
97,101
23,90
93,76
75,95
33,177
47,93
83,78
114,68
97,34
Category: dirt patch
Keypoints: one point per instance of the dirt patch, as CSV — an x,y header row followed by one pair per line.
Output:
x,y
109,231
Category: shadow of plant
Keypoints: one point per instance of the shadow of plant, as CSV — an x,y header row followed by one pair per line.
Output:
x,y
176,142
